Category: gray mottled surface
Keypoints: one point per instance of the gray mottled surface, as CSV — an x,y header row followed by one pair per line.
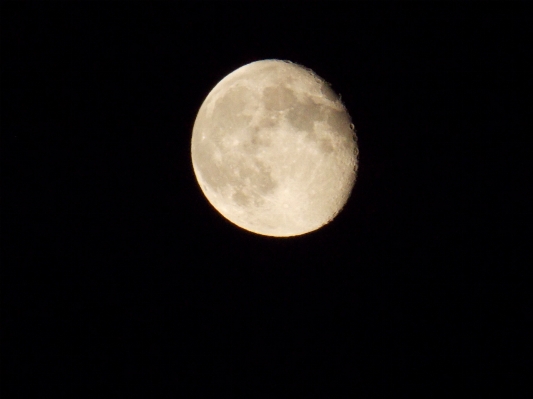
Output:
x,y
273,149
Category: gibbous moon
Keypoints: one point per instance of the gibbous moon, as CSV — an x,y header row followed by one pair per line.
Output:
x,y
274,150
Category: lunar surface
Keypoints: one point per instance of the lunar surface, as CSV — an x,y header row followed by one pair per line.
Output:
x,y
274,150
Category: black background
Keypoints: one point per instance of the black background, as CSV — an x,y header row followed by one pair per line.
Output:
x,y
119,278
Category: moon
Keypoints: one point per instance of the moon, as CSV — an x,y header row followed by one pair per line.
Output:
x,y
274,150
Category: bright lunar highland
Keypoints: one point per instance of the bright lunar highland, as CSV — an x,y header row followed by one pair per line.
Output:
x,y
274,150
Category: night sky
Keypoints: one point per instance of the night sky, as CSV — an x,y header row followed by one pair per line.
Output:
x,y
119,278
